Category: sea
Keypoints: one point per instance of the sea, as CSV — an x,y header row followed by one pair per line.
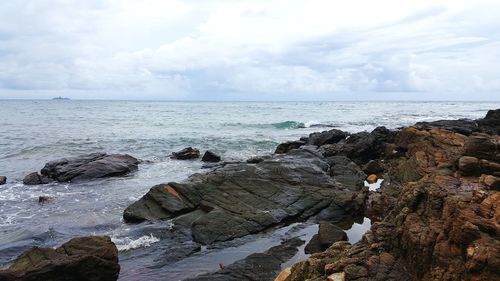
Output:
x,y
33,132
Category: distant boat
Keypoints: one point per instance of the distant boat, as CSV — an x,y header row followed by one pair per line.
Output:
x,y
60,98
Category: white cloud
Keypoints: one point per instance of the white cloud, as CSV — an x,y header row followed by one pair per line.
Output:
x,y
269,49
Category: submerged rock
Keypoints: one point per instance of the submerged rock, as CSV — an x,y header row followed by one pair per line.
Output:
x,y
261,266
84,167
209,156
86,258
186,153
240,198
3,180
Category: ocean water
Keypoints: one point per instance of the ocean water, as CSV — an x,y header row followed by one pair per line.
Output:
x,y
35,132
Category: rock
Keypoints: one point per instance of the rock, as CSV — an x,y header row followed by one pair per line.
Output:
x,y
35,178
371,178
260,266
482,146
186,153
346,172
209,156
338,276
326,137
461,126
85,258
84,167
255,160
287,146
3,180
491,181
469,165
240,198
327,235
491,123
372,167
284,274
44,199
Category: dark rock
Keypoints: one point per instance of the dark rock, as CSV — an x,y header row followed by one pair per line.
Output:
x,y
84,167
87,258
35,178
287,146
209,156
44,199
259,267
3,180
239,199
186,153
255,160
373,167
482,146
491,123
326,137
327,235
461,126
346,172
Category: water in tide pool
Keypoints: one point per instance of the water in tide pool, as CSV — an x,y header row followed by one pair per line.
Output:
x,y
35,132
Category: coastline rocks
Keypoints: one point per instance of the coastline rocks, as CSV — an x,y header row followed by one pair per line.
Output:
x,y
326,137
461,126
289,145
240,198
327,235
84,167
491,123
3,180
85,258
209,156
186,154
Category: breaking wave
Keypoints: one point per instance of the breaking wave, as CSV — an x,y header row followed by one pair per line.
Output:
x,y
126,244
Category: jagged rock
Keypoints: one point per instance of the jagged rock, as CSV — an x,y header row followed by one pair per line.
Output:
x,y
261,266
346,172
461,126
186,154
209,156
35,178
326,137
491,123
372,167
241,198
491,181
327,235
86,258
287,146
3,180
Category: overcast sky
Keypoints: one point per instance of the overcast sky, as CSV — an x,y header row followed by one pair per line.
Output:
x,y
250,50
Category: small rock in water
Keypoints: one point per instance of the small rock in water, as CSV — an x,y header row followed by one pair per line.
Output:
x,y
327,235
35,178
186,153
371,178
209,156
3,180
44,199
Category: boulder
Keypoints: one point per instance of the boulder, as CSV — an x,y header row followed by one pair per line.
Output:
x,y
373,167
326,137
327,235
87,258
490,123
346,172
287,146
241,198
3,180
482,146
186,153
209,156
84,167
35,178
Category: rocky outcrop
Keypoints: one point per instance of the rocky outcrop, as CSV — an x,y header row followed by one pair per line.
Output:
x,y
87,258
326,137
84,167
242,198
186,154
259,267
327,235
210,156
436,216
289,145
3,180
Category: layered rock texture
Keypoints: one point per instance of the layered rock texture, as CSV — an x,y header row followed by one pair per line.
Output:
x,y
84,167
437,214
93,258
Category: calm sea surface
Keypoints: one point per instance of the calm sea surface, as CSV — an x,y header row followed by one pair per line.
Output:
x,y
35,132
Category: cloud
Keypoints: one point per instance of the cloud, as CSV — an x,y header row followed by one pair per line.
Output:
x,y
249,49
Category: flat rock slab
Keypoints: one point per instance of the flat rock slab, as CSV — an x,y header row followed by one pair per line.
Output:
x,y
241,198
84,167
85,258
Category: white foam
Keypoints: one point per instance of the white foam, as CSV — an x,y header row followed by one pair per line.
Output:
x,y
126,244
308,124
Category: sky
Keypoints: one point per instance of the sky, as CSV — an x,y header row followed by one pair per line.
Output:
x,y
250,50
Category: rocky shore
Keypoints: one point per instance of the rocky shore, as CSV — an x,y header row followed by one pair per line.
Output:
x,y
436,215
